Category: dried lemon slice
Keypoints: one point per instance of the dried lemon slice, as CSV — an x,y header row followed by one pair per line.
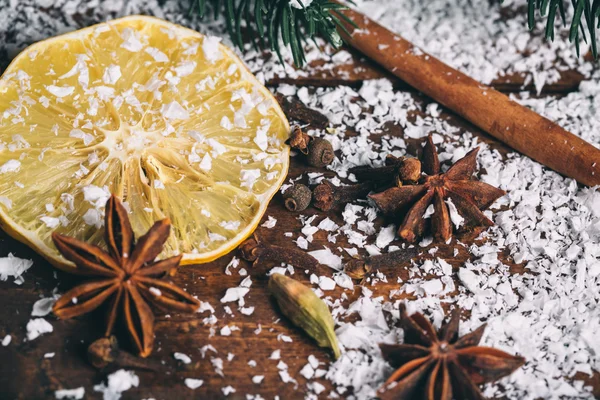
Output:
x,y
166,118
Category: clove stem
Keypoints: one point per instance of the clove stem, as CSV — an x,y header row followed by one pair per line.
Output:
x,y
358,268
254,250
327,196
105,351
383,174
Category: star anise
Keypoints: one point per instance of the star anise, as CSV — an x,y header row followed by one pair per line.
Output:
x,y
441,365
127,276
456,185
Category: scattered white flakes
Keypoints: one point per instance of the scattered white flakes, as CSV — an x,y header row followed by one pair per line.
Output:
x,y
206,163
286,377
227,390
158,184
234,294
205,306
225,331
284,338
118,382
230,225
261,139
95,195
216,148
307,371
79,134
37,327
6,340
455,217
131,40
326,283
185,68
210,47
184,358
328,225
246,282
111,75
248,177
302,242
215,237
70,394
300,4
155,53
174,110
43,307
269,223
193,383
10,166
226,123
14,267
60,91
386,236
344,281
257,379
275,355
217,364
316,387
247,310
50,222
326,257
93,217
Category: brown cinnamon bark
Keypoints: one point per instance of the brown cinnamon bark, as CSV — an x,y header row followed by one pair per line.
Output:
x,y
517,126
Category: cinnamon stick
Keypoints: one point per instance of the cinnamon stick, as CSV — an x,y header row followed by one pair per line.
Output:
x,y
506,120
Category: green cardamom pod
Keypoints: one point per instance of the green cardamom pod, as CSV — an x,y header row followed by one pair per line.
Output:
x,y
307,311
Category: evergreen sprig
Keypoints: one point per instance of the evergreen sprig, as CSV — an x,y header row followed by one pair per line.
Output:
x,y
266,21
585,18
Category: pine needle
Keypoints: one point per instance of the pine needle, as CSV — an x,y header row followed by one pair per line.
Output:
x,y
276,22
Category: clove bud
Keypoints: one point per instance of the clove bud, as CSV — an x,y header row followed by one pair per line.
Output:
x,y
318,151
299,140
358,268
327,196
255,251
297,197
302,306
382,176
409,171
105,352
397,170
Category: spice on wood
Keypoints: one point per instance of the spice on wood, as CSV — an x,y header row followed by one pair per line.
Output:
x,y
435,188
127,277
440,365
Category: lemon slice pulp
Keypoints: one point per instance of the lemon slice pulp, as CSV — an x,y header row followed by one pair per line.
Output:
x,y
169,120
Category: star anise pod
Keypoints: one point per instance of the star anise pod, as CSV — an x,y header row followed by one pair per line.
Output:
x,y
127,276
468,196
442,366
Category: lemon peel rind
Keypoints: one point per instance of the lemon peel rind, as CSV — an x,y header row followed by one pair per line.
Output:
x,y
14,230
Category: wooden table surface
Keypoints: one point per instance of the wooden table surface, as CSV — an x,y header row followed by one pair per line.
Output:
x,y
26,374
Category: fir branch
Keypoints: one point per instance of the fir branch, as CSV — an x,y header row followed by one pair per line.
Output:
x,y
269,21
584,21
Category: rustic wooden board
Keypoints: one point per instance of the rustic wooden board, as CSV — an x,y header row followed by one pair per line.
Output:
x,y
25,374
